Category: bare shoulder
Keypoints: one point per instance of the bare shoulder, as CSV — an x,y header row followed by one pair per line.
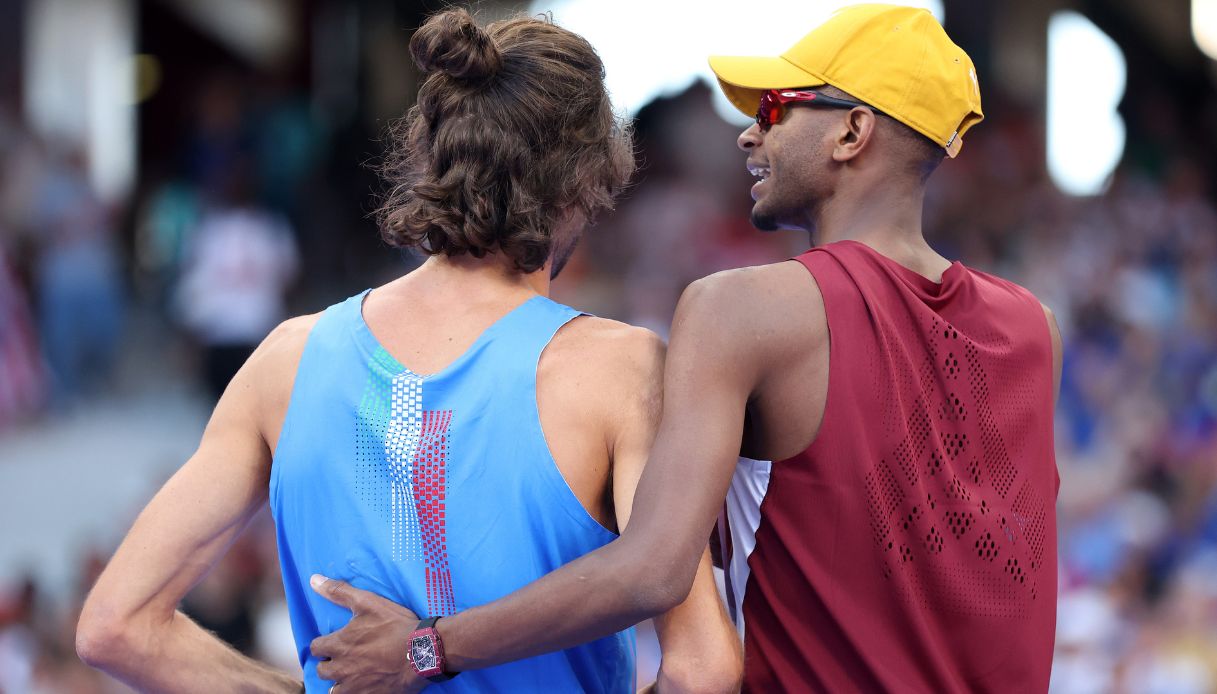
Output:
x,y
765,307
754,295
599,387
281,350
265,381
292,332
605,351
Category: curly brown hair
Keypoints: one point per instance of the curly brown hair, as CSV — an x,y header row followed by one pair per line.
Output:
x,y
513,132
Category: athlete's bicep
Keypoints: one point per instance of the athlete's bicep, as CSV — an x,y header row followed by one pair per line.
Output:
x,y
709,376
701,651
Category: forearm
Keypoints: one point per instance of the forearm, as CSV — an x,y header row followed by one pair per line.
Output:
x,y
701,649
647,571
179,656
594,596
650,569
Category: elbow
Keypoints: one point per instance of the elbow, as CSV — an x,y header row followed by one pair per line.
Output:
x,y
658,583
704,676
715,666
103,640
702,683
668,592
92,638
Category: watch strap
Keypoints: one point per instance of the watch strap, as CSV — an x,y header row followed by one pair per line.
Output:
x,y
429,623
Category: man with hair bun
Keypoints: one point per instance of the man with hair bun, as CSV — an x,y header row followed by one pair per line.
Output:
x,y
440,441
907,537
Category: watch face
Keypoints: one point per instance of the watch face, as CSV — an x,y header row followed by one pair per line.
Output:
x,y
422,652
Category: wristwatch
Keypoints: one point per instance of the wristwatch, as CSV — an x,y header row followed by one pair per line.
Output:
x,y
426,652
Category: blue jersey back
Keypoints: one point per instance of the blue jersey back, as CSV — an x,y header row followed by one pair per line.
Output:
x,y
437,492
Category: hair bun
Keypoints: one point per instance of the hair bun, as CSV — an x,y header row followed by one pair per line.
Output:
x,y
452,43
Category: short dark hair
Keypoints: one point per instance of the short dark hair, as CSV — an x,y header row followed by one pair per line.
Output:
x,y
513,130
920,155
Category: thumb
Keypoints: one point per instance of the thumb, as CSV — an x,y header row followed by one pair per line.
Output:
x,y
334,590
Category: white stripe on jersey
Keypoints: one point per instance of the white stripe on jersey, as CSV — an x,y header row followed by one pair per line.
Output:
x,y
748,487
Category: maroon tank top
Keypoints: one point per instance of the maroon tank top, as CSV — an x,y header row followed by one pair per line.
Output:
x,y
912,546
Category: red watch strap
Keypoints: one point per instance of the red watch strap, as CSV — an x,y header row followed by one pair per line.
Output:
x,y
429,623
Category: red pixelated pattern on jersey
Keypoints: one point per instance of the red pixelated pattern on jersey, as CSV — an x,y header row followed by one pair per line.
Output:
x,y
430,485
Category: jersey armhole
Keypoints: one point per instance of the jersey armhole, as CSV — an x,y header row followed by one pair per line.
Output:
x,y
811,261
564,494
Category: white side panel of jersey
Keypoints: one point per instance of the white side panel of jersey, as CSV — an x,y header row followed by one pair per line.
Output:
x,y
743,510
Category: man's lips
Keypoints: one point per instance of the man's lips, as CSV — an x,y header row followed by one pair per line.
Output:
x,y
756,190
762,172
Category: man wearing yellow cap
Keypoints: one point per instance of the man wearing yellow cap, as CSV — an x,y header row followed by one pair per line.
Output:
x,y
904,538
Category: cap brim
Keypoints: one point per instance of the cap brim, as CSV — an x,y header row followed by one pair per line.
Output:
x,y
744,78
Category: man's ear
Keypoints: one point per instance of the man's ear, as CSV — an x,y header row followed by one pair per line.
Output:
x,y
858,127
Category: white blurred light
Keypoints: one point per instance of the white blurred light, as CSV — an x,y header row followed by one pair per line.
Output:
x,y
79,85
652,49
1086,78
259,31
1204,26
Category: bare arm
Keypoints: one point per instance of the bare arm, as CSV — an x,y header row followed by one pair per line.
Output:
x,y
1054,333
710,375
701,650
130,626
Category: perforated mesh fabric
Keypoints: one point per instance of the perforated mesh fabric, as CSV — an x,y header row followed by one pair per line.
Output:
x,y
936,448
937,458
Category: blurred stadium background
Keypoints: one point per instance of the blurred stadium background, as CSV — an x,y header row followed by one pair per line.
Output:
x,y
178,175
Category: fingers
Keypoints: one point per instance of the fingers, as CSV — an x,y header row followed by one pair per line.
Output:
x,y
325,649
337,592
324,646
354,599
326,670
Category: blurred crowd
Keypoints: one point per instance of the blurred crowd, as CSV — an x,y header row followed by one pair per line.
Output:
x,y
213,244
57,246
205,252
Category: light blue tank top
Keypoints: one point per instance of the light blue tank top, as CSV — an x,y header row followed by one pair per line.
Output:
x,y
437,492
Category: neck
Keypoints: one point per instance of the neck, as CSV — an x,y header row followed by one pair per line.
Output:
x,y
885,217
471,277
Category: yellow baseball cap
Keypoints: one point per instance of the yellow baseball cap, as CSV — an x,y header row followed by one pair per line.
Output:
x,y
897,59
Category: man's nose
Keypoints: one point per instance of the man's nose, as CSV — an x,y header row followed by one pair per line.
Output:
x,y
750,138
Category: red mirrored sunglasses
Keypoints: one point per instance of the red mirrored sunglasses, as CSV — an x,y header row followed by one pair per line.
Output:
x,y
774,103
